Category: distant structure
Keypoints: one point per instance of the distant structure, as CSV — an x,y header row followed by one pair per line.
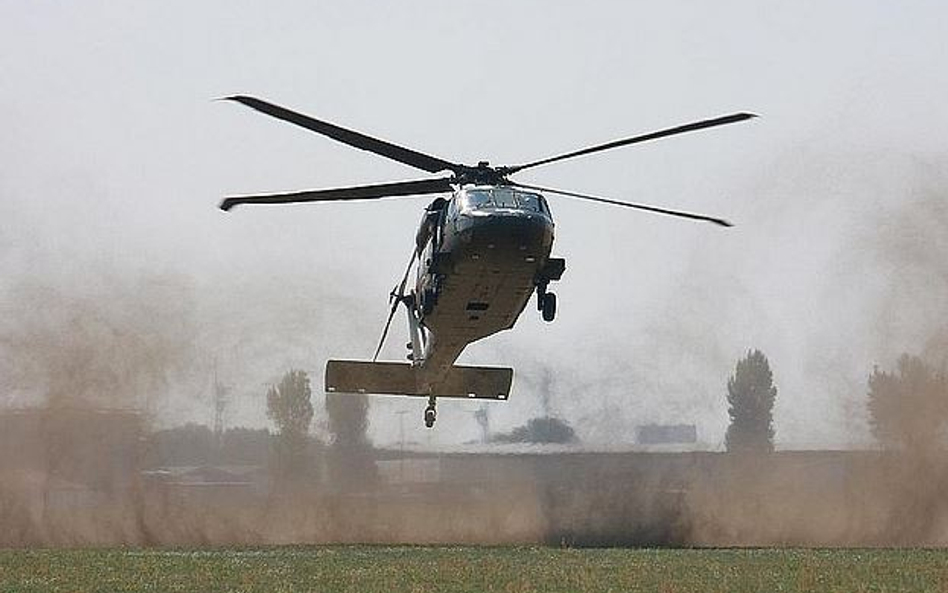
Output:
x,y
666,434
221,400
58,460
483,420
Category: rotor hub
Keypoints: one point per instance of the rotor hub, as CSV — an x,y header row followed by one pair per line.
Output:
x,y
482,174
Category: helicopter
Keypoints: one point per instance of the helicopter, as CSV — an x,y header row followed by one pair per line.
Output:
x,y
481,252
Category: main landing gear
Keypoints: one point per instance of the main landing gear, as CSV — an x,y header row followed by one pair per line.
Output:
x,y
548,307
546,303
430,413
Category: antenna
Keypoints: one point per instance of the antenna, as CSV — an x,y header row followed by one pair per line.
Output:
x,y
221,400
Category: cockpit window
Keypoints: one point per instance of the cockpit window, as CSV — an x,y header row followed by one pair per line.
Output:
x,y
529,201
503,197
478,198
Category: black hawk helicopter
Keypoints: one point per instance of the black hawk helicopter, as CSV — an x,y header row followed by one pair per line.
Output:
x,y
481,253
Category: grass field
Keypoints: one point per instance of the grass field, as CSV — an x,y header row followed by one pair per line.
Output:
x,y
505,569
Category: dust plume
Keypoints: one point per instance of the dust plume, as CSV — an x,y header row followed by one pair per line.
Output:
x,y
868,285
893,274
115,344
83,371
89,368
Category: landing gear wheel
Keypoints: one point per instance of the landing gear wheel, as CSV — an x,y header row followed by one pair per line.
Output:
x,y
430,413
430,416
548,307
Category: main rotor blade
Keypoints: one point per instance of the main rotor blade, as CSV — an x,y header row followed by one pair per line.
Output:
x,y
360,192
407,156
646,207
396,299
700,125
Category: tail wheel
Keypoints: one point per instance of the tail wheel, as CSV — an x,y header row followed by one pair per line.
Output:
x,y
430,416
549,307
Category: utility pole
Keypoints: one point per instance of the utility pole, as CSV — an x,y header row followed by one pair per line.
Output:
x,y
483,420
220,404
401,449
546,386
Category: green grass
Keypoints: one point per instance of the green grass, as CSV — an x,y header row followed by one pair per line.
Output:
x,y
504,569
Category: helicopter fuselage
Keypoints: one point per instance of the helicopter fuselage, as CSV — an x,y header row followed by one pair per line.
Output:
x,y
482,254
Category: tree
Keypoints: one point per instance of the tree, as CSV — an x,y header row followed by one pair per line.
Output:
x,y
909,406
289,407
750,397
350,457
545,429
191,444
348,419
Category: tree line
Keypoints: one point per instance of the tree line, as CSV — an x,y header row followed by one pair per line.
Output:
x,y
907,408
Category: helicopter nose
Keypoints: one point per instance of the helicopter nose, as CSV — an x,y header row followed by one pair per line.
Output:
x,y
517,228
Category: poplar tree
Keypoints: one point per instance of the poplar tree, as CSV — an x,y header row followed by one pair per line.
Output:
x,y
750,396
290,408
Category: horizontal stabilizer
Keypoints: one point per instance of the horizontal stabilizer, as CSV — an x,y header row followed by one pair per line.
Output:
x,y
476,382
399,378
352,376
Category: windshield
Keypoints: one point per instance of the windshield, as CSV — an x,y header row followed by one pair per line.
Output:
x,y
503,197
477,199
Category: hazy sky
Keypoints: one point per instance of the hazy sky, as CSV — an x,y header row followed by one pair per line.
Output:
x,y
115,157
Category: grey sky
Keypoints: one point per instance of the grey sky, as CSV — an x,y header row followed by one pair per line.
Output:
x,y
115,158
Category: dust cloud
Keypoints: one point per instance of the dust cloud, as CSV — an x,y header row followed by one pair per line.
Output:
x,y
117,344
83,373
92,373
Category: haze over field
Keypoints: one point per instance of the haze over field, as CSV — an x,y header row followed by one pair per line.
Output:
x,y
125,286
